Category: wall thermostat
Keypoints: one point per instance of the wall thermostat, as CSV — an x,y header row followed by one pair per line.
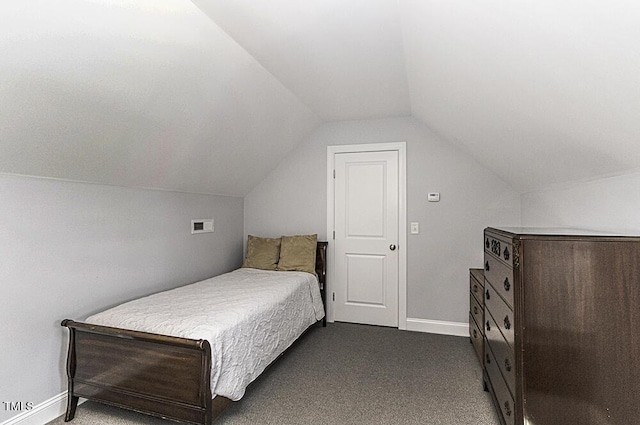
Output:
x,y
433,197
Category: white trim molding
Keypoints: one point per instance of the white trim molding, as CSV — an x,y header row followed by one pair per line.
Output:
x,y
42,413
401,147
438,327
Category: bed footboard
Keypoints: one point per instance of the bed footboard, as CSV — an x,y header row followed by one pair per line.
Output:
x,y
158,375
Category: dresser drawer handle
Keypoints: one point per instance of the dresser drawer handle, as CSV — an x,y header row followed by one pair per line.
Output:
x,y
507,323
488,359
486,266
486,243
506,253
488,326
475,309
507,285
495,247
487,295
475,287
507,408
475,333
507,363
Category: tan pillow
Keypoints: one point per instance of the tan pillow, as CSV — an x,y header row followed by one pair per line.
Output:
x,y
262,253
298,253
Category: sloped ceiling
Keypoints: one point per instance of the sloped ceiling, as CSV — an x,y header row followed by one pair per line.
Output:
x,y
542,92
344,59
141,94
208,96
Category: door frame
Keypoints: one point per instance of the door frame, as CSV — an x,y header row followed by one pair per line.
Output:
x,y
401,148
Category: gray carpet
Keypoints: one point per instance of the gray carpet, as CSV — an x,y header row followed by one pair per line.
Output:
x,y
352,374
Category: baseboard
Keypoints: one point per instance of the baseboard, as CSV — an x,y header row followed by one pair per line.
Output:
x,y
438,327
42,413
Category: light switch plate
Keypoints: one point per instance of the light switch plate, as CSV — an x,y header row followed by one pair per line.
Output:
x,y
415,228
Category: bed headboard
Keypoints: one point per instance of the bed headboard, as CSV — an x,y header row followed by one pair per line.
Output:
x,y
321,271
321,262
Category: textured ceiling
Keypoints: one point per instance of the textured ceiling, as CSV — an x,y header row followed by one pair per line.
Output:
x,y
208,96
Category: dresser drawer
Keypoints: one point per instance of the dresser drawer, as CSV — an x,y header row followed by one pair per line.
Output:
x,y
476,310
476,284
500,248
500,390
476,339
505,359
500,312
491,330
500,276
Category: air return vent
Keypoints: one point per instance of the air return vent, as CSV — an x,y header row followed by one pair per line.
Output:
x,y
202,226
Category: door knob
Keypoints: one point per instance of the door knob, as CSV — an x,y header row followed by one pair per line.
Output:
x,y
392,247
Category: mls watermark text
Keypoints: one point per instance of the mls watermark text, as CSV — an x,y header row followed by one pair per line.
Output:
x,y
17,406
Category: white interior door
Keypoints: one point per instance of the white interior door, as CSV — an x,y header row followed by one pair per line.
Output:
x,y
366,210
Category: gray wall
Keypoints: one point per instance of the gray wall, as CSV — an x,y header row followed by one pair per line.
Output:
x,y
71,249
292,200
608,204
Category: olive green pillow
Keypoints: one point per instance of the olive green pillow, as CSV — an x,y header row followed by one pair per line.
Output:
x,y
262,253
298,253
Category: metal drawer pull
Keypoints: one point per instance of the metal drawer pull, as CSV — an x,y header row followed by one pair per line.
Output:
x,y
486,266
507,363
475,309
507,323
507,408
488,326
486,243
488,359
495,247
506,253
507,285
487,295
475,287
475,333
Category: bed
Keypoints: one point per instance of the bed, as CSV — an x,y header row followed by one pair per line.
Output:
x,y
184,370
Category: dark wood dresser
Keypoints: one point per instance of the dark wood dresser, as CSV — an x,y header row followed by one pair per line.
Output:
x,y
562,326
476,311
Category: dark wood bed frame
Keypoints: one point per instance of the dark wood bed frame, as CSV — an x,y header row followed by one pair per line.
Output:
x,y
158,375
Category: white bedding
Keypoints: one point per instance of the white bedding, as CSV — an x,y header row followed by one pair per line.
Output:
x,y
249,317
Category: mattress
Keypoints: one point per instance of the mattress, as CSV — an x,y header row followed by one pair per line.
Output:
x,y
249,317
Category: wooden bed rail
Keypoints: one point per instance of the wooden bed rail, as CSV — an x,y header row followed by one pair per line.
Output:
x,y
130,334
158,375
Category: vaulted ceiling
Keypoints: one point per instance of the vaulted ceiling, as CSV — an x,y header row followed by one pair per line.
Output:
x,y
344,59
208,96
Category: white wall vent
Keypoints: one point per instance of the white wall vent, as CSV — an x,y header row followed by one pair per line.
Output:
x,y
201,226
